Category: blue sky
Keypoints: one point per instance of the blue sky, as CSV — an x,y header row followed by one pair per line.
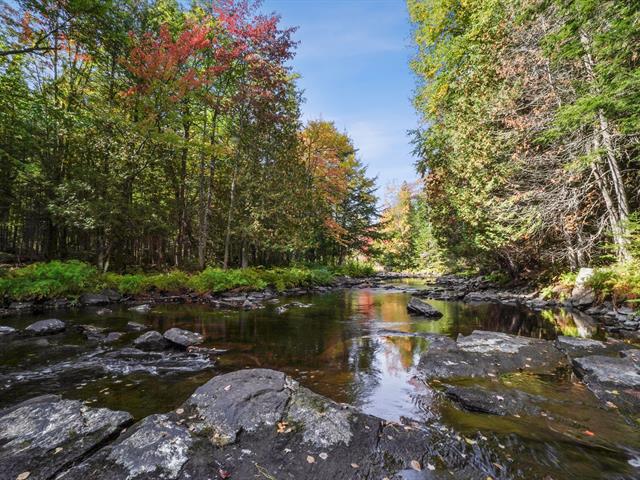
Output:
x,y
354,61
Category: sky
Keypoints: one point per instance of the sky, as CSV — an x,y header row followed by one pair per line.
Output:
x,y
354,57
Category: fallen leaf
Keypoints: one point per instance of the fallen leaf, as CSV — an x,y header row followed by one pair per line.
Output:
x,y
323,456
416,465
57,450
223,473
431,467
23,476
282,427
469,441
589,432
227,388
310,459
355,465
180,411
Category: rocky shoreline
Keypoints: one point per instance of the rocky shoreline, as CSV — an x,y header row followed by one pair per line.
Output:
x,y
262,423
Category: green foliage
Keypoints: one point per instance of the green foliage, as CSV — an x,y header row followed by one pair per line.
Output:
x,y
49,280
354,269
218,280
620,282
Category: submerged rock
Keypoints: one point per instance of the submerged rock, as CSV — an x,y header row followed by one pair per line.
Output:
x,y
46,327
261,423
151,341
581,347
183,338
484,354
503,402
46,434
422,308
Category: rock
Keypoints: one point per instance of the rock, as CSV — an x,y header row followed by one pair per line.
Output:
x,y
112,337
145,308
582,295
7,330
136,327
151,341
502,402
104,311
484,354
582,347
613,379
94,299
46,434
260,422
21,306
281,309
111,294
249,305
46,327
92,332
183,338
422,308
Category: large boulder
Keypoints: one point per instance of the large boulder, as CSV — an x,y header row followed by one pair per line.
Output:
x,y
488,354
261,423
46,327
183,338
583,295
151,341
46,434
421,307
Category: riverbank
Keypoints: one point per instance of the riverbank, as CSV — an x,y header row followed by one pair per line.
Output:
x,y
54,285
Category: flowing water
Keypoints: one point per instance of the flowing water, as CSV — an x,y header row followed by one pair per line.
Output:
x,y
353,346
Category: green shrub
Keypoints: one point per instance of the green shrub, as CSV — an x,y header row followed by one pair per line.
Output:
x,y
355,269
218,280
620,282
49,280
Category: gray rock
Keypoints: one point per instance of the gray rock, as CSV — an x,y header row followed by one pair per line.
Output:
x,y
21,306
46,327
484,354
502,402
136,327
92,332
582,347
151,341
112,337
613,379
111,294
94,299
183,338
104,311
46,434
422,308
145,308
260,423
582,295
7,330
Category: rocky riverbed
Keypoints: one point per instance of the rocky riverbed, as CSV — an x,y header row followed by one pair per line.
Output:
x,y
350,385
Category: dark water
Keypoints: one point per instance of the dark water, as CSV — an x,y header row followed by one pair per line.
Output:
x,y
349,346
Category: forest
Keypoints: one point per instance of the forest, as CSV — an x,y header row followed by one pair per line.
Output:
x,y
146,135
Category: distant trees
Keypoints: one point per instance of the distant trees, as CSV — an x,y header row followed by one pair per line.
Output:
x,y
143,134
531,129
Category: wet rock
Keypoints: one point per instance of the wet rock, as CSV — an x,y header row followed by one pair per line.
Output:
x,y
46,434
111,294
112,337
581,347
484,354
582,295
151,341
422,308
46,327
249,305
183,338
145,308
21,307
155,448
104,311
261,423
7,330
92,332
94,299
502,402
613,379
136,327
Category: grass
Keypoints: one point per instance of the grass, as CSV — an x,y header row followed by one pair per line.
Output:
x,y
70,279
